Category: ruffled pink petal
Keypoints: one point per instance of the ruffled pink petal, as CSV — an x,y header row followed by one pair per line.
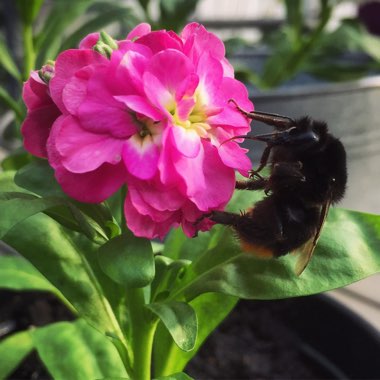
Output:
x,y
184,107
160,40
66,65
75,91
145,208
89,41
35,92
232,154
84,151
161,84
210,72
198,40
210,183
100,112
139,31
187,141
36,129
140,156
159,196
144,226
231,116
92,187
140,105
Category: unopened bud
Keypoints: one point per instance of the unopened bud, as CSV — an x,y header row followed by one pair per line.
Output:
x,y
47,71
106,45
108,40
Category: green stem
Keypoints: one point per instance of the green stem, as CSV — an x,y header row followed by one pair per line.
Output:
x,y
29,53
143,328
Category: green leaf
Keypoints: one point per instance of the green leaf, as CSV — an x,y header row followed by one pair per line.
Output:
x,y
128,260
180,320
174,13
7,62
68,261
176,376
87,353
29,9
91,219
347,252
211,309
14,211
18,274
38,177
16,160
7,184
13,350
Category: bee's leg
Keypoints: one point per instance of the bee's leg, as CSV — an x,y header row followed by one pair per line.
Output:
x,y
252,184
263,162
226,218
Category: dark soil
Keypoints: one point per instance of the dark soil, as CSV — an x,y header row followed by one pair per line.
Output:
x,y
22,310
259,340
254,342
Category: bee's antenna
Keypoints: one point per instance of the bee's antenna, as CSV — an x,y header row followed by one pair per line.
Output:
x,y
246,137
278,121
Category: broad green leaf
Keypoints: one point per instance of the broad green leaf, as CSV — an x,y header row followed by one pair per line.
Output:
x,y
14,211
175,376
38,177
18,274
7,183
16,160
91,219
77,351
68,261
7,62
174,13
180,320
128,260
211,309
13,350
347,252
167,271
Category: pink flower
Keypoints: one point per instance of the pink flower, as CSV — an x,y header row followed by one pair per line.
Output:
x,y
152,116
42,112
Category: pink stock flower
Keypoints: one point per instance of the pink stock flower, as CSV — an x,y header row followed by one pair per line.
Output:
x,y
153,116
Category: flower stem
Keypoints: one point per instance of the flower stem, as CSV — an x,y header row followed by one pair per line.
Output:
x,y
143,327
29,53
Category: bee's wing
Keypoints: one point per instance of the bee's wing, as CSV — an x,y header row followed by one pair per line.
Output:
x,y
307,249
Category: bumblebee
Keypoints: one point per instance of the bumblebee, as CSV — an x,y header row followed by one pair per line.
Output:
x,y
307,174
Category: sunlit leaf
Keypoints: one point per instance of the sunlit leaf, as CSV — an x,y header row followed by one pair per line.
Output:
x,y
18,274
7,62
180,320
128,260
77,351
347,252
13,350
211,309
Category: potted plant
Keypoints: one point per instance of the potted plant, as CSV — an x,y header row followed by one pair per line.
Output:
x,y
127,142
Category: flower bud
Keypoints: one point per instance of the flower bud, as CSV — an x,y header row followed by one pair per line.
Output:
x,y
105,45
47,71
